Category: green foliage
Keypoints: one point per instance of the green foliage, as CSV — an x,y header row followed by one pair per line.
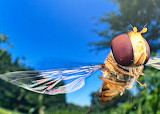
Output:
x,y
5,111
67,107
135,12
65,112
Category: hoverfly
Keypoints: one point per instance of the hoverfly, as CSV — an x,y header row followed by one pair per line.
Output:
x,y
125,62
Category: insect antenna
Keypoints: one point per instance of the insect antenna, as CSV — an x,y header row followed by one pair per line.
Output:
x,y
145,25
131,25
144,29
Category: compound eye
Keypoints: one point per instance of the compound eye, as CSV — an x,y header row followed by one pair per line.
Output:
x,y
122,50
147,51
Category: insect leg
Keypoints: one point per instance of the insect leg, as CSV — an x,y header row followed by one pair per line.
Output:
x,y
125,72
113,82
142,70
140,83
121,70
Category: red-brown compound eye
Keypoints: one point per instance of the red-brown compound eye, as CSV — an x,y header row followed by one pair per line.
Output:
x,y
147,51
122,50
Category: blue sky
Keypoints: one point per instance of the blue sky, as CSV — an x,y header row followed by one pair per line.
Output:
x,y
47,32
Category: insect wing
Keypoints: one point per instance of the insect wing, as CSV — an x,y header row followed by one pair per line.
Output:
x,y
51,82
154,62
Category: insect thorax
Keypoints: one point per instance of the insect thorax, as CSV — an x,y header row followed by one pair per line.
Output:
x,y
113,74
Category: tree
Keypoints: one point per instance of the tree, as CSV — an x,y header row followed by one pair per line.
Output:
x,y
135,12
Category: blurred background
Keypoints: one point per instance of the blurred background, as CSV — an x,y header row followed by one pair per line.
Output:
x,y
38,34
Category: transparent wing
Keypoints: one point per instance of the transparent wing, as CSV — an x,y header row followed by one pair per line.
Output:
x,y
51,82
154,62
